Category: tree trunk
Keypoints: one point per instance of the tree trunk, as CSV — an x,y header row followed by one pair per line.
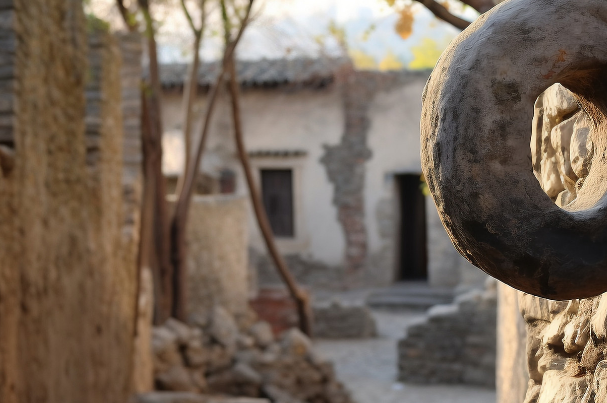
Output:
x,y
189,96
152,140
178,224
301,297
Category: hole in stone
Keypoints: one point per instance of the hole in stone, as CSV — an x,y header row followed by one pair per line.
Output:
x,y
561,147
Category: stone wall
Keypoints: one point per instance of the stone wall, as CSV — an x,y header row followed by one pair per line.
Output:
x,y
455,344
68,290
566,349
346,169
338,320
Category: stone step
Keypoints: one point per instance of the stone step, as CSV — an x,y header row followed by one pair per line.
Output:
x,y
412,295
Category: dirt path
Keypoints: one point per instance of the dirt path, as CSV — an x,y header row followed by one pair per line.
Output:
x,y
369,368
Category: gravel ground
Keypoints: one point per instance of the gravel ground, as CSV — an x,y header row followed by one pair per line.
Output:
x,y
369,368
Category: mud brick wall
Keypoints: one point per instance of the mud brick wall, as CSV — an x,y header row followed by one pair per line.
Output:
x,y
217,260
66,294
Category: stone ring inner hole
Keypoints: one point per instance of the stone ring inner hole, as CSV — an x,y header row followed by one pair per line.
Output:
x,y
561,146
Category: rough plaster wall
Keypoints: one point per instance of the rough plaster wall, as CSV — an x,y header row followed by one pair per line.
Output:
x,y
511,369
218,270
66,298
113,274
277,119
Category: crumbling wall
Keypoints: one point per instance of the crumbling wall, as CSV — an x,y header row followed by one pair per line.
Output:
x,y
345,164
362,166
66,294
455,344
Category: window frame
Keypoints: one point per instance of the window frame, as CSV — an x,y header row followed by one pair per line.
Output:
x,y
300,240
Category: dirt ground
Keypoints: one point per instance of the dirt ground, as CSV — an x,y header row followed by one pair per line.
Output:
x,y
369,367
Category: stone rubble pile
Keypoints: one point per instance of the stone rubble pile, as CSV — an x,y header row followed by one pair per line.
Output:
x,y
218,356
455,344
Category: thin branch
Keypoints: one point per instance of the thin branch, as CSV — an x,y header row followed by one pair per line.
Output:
x,y
127,16
482,6
301,298
182,205
189,91
186,191
441,12
203,15
188,16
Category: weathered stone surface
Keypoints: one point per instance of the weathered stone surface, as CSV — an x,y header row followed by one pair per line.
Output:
x,y
564,352
296,343
224,328
182,331
262,334
288,369
475,124
176,378
557,388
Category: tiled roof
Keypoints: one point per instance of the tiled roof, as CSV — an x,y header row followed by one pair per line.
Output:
x,y
277,153
316,72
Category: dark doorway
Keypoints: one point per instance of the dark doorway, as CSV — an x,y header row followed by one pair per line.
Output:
x,y
277,195
413,254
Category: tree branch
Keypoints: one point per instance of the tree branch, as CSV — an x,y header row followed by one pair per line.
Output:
x,y
128,18
482,6
188,16
441,12
302,300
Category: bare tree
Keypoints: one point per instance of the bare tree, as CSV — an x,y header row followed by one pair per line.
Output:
x,y
154,251
300,296
444,14
191,85
169,253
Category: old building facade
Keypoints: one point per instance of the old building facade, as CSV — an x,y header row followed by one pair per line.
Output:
x,y
336,156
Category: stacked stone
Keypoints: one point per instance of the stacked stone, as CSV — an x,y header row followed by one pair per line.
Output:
x,y
455,344
338,321
218,356
7,84
132,157
94,102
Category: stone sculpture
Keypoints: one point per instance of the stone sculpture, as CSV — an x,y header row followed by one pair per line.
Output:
x,y
528,206
477,107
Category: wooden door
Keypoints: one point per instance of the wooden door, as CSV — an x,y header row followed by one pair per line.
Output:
x,y
413,239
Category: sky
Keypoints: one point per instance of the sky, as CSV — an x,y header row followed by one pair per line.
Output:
x,y
300,28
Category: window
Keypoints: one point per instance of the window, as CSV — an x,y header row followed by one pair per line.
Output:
x,y
277,195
